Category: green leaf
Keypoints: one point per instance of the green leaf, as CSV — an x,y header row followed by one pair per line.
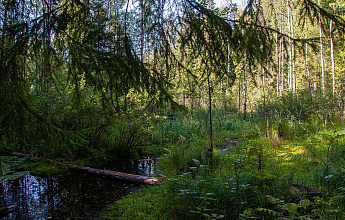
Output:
x,y
305,203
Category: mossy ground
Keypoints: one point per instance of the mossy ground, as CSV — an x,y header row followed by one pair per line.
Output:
x,y
43,168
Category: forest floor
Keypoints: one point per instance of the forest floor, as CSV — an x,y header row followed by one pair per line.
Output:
x,y
254,163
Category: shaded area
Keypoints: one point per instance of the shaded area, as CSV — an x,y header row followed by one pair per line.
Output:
x,y
71,195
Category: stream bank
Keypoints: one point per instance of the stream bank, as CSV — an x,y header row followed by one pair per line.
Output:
x,y
69,195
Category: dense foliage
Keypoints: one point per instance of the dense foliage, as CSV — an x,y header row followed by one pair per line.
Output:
x,y
237,101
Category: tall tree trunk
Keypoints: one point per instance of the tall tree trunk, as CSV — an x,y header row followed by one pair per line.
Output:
x,y
47,51
290,51
263,90
210,149
306,54
277,63
293,56
245,87
332,56
239,95
142,27
229,64
321,54
2,51
227,77
282,65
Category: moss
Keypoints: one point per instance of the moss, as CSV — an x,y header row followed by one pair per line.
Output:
x,y
147,203
43,168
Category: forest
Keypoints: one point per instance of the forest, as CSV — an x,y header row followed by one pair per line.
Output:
x,y
240,107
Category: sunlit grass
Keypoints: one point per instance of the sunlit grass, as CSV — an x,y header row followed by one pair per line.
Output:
x,y
252,159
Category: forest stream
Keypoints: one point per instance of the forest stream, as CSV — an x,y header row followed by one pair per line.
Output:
x,y
70,195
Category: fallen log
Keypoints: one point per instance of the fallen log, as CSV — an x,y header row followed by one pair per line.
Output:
x,y
31,158
114,174
99,172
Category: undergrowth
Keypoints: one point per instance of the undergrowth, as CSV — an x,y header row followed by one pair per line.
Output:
x,y
254,163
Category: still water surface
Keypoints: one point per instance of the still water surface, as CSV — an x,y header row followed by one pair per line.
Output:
x,y
71,195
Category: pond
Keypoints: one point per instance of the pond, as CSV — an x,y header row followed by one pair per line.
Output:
x,y
71,195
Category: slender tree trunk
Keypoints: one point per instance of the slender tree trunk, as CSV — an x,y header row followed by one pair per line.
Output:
x,y
46,52
332,56
239,96
245,87
229,64
277,63
227,78
293,56
263,89
142,27
321,55
306,54
210,150
3,43
290,51
282,64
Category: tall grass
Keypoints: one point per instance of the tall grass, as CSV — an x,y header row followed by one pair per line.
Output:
x,y
254,162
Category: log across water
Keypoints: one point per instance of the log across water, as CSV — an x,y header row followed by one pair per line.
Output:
x,y
114,174
99,172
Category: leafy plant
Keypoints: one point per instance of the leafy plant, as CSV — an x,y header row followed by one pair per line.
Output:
x,y
8,166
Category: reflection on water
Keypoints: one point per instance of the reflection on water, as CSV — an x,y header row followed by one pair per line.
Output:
x,y
143,167
72,195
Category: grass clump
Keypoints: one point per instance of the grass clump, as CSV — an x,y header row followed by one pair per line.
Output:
x,y
147,203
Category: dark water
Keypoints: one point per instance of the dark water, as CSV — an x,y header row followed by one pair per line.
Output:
x,y
71,195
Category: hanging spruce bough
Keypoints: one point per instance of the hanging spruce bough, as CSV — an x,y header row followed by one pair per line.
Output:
x,y
50,48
